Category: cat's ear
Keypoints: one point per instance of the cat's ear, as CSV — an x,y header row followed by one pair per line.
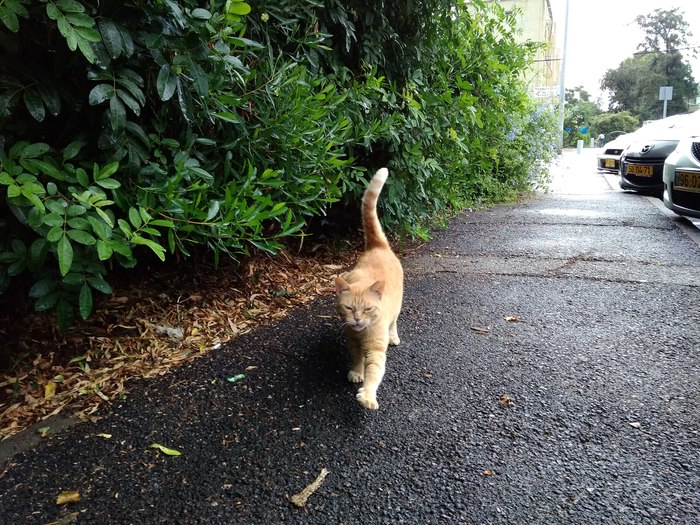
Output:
x,y
341,286
378,288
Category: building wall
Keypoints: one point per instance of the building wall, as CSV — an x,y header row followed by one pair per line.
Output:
x,y
536,23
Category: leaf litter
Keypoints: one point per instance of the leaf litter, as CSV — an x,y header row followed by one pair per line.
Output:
x,y
89,366
299,499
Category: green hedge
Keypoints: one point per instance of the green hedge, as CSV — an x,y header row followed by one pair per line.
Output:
x,y
161,127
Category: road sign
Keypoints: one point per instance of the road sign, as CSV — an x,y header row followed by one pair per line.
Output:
x,y
666,93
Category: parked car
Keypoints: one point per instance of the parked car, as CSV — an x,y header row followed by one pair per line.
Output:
x,y
681,178
609,158
642,163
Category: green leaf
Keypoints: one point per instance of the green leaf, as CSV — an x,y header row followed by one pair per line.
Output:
x,y
6,179
64,250
55,233
17,267
13,191
79,223
104,250
37,254
70,6
36,165
130,101
57,206
103,231
32,196
154,246
85,301
81,22
51,99
110,184
107,171
201,14
117,114
64,315
166,83
46,302
100,93
52,11
8,101
238,8
82,178
75,209
53,219
199,79
72,149
135,218
99,284
68,33
165,450
34,104
9,19
42,287
82,237
34,150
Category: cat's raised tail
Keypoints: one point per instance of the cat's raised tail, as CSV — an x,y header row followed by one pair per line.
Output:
x,y
374,234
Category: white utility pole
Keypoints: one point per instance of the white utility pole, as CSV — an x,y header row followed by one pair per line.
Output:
x,y
562,74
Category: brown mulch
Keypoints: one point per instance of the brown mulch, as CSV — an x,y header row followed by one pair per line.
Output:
x,y
148,326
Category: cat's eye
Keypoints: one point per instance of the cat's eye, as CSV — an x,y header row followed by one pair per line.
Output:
x,y
369,309
350,308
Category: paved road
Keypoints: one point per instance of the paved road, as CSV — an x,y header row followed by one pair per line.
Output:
x,y
584,410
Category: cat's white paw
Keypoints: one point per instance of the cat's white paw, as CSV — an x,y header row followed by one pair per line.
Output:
x,y
367,400
394,340
354,377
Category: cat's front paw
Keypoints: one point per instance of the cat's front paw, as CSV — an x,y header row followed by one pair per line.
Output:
x,y
394,340
367,400
355,377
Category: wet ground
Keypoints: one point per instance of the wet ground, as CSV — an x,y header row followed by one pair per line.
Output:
x,y
549,372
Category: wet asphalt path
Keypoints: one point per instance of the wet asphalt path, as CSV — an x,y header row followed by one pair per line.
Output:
x,y
582,408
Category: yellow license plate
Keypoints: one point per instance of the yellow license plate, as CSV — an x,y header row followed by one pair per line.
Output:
x,y
641,170
687,180
609,163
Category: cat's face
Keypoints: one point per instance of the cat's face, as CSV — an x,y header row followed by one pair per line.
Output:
x,y
358,309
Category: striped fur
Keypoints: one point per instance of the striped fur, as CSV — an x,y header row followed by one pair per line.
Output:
x,y
374,234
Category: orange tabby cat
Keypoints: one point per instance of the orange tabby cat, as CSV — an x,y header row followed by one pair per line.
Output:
x,y
369,300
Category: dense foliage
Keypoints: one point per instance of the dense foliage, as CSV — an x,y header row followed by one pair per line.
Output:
x,y
160,127
634,84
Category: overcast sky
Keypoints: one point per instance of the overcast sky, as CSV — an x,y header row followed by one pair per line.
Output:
x,y
602,33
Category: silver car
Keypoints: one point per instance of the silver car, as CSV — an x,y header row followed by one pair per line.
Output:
x,y
681,178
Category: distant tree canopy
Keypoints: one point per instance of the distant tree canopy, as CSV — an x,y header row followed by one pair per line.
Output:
x,y
634,85
606,123
579,113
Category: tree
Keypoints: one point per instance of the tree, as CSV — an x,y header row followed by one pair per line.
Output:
x,y
634,85
666,31
578,114
606,123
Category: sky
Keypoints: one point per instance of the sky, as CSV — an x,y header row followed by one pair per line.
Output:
x,y
602,33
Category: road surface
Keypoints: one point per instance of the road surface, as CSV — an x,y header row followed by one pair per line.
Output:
x,y
549,372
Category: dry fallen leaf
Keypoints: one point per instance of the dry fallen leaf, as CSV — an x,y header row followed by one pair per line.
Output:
x,y
49,390
512,318
480,330
506,400
106,436
300,499
635,424
488,472
71,496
